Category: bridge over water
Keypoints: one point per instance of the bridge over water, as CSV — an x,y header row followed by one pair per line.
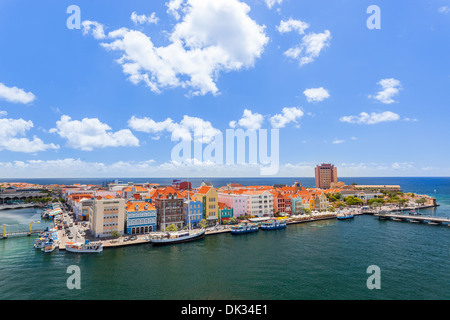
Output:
x,y
434,220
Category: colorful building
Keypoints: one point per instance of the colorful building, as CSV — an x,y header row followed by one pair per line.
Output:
x,y
225,212
209,198
193,212
141,217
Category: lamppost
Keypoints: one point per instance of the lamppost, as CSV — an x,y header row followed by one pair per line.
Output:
x,y
29,231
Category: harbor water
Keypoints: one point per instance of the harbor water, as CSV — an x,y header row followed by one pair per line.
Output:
x,y
317,260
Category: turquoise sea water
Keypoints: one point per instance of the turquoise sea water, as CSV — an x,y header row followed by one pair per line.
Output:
x,y
318,260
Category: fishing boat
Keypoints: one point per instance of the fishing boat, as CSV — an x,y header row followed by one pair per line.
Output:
x,y
244,228
177,237
86,247
273,224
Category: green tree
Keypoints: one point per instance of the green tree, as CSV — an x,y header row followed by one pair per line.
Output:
x,y
203,223
331,209
421,201
115,234
307,211
233,220
172,227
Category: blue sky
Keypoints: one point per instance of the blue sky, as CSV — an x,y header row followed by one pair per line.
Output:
x,y
113,98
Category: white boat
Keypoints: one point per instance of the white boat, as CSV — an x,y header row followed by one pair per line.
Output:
x,y
273,224
44,238
50,246
178,237
244,228
87,247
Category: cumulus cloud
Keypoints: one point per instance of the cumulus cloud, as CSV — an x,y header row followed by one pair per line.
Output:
x,y
12,132
96,29
212,36
287,116
292,25
271,3
390,88
249,120
310,47
338,141
316,94
188,129
3,113
373,118
90,133
15,95
143,19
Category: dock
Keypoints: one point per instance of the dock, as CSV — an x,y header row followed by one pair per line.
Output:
x,y
432,220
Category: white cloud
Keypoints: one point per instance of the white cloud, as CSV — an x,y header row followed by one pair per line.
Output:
x,y
249,120
3,113
444,9
189,127
143,19
10,132
402,165
95,28
15,95
271,3
90,133
373,118
292,25
288,115
316,94
310,47
390,88
212,36
338,141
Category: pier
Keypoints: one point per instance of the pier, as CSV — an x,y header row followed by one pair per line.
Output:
x,y
433,220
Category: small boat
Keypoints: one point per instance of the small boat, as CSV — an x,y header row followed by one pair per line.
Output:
x,y
273,224
414,213
50,246
49,235
87,247
345,216
177,237
244,228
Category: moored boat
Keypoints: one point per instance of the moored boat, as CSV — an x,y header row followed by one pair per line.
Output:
x,y
50,246
244,228
86,247
273,224
345,216
177,237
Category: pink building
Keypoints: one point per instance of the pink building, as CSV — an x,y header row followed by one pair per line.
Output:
x,y
236,201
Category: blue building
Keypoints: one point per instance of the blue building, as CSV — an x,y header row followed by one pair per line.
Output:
x,y
193,212
141,217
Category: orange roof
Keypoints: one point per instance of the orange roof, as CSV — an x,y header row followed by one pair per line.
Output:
x,y
163,193
204,190
131,206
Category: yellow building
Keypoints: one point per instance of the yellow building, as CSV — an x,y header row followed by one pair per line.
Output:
x,y
209,198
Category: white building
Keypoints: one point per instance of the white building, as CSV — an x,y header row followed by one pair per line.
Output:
x,y
259,203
